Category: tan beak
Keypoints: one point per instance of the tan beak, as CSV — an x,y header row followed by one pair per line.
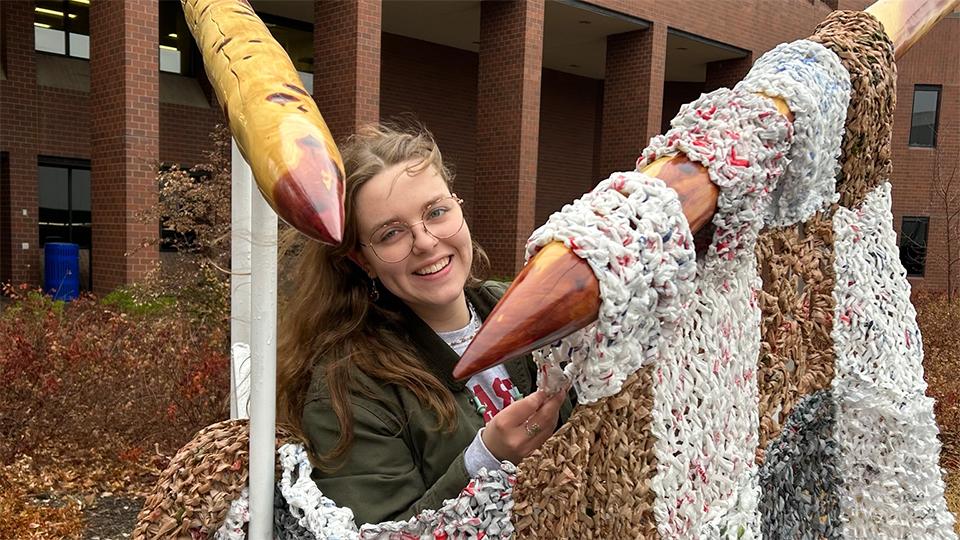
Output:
x,y
557,293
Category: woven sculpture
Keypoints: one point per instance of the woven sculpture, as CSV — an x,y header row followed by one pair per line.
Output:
x,y
770,387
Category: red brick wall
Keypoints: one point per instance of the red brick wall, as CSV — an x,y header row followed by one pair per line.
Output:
x,y
185,132
726,73
754,25
933,60
19,112
124,82
570,107
436,85
64,123
346,53
523,140
633,95
508,119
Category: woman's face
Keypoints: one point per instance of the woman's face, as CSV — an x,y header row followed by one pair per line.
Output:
x,y
431,278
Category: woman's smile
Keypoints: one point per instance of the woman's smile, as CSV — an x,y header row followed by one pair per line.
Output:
x,y
431,276
433,270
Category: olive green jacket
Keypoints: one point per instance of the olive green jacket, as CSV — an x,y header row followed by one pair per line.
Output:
x,y
400,462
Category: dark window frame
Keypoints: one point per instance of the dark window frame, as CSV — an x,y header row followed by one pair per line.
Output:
x,y
936,114
279,20
270,20
909,244
70,164
190,62
65,8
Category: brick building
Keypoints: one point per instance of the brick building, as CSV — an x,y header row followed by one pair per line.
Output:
x,y
531,101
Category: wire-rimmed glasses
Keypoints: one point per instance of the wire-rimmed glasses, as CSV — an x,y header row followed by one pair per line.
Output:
x,y
393,242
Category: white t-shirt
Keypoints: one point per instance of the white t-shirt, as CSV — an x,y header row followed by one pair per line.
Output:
x,y
491,388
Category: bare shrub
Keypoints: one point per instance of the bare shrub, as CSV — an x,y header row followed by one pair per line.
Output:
x,y
89,376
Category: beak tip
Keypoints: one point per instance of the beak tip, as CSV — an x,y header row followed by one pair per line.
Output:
x,y
336,235
468,366
461,372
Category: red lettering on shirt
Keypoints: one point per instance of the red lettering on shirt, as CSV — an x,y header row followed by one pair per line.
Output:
x,y
501,387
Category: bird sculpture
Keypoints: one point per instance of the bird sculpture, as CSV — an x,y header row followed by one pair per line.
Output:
x,y
766,385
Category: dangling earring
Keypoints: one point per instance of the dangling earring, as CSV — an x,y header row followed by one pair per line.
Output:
x,y
374,293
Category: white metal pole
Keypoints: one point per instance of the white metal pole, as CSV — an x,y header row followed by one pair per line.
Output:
x,y
241,185
263,380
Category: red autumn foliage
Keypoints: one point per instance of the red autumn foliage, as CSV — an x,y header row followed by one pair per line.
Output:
x,y
90,375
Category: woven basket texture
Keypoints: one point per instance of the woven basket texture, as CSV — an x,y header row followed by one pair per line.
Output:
x,y
864,48
591,479
194,493
796,350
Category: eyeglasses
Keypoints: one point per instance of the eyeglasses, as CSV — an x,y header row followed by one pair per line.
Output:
x,y
393,242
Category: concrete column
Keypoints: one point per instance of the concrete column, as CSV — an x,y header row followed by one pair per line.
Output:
x,y
20,257
632,96
508,123
124,104
346,67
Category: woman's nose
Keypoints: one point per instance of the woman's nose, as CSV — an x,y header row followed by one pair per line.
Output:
x,y
422,239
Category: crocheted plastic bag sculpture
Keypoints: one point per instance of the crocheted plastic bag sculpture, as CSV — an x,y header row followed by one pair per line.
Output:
x,y
770,387
203,494
776,390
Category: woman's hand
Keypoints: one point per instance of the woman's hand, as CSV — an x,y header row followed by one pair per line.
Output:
x,y
521,427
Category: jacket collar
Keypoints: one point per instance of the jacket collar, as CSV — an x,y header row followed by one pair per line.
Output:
x,y
439,358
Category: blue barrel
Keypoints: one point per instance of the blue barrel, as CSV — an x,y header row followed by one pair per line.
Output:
x,y
61,270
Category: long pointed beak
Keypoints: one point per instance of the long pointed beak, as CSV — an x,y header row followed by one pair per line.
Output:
x,y
557,293
310,196
906,21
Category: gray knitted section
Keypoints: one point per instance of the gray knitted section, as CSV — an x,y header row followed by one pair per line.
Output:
x,y
286,526
799,479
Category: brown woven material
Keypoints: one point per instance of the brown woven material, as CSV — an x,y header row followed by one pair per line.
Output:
x,y
866,51
592,478
796,351
195,491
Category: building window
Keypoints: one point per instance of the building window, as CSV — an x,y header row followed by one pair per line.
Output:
x,y
62,27
64,201
176,43
296,37
926,112
913,244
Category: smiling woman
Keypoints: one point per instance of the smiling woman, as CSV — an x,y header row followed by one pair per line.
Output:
x,y
370,335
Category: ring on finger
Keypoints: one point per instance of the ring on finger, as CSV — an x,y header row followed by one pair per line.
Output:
x,y
532,428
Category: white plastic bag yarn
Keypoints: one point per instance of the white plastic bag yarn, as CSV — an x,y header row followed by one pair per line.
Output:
x,y
705,413
316,513
816,87
631,231
481,510
892,485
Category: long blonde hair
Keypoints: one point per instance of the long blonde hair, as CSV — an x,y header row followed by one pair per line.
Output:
x,y
328,320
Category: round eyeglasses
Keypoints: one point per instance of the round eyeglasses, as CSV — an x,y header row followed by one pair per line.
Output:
x,y
393,242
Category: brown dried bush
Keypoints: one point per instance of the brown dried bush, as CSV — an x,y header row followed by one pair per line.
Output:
x,y
94,377
939,320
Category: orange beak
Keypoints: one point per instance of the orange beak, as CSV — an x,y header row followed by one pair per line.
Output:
x,y
557,293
